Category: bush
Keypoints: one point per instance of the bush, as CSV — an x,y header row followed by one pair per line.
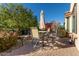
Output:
x,y
7,41
62,33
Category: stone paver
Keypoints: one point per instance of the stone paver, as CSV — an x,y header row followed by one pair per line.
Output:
x,y
28,50
72,51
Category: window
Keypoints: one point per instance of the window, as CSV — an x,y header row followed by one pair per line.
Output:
x,y
68,24
74,20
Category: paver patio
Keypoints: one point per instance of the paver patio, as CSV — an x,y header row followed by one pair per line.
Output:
x,y
27,50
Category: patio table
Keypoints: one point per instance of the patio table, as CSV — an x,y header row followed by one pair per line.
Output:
x,y
47,37
53,38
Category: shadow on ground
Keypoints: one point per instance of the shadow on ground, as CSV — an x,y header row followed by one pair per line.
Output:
x,y
28,48
64,43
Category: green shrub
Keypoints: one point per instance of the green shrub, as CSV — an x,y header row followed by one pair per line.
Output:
x,y
62,33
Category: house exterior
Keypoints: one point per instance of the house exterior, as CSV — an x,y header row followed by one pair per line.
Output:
x,y
48,26
72,22
51,26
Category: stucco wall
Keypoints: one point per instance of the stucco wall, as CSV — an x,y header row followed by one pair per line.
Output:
x,y
65,23
77,40
70,24
71,7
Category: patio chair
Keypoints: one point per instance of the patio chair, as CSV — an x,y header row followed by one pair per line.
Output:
x,y
35,36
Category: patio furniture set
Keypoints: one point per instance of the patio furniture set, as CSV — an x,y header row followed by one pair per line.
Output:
x,y
39,38
43,38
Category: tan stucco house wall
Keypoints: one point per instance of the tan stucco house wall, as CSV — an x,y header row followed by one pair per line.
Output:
x,y
72,22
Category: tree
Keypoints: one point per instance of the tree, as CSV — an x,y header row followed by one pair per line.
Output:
x,y
15,16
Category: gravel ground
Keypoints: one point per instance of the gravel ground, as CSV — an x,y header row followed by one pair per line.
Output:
x,y
28,50
59,52
25,51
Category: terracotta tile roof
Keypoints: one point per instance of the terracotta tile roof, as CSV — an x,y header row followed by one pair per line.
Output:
x,y
68,14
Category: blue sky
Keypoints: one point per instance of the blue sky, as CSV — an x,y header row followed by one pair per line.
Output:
x,y
52,11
